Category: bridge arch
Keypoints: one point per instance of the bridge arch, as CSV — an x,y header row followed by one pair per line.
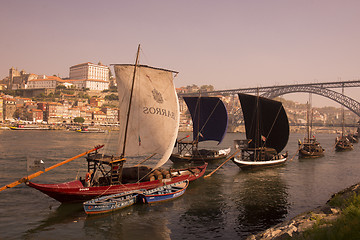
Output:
x,y
346,101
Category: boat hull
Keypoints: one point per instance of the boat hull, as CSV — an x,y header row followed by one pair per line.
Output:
x,y
91,131
164,193
75,191
343,144
307,154
178,158
304,154
341,148
110,203
258,164
28,128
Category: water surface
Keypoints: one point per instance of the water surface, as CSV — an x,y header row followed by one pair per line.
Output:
x,y
231,204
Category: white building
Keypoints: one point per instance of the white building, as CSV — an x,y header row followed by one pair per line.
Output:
x,y
91,84
43,82
89,71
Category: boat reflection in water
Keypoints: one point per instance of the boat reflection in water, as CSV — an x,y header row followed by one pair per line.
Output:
x,y
130,223
63,214
205,215
261,200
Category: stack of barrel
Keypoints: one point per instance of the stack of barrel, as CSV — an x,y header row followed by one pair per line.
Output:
x,y
159,174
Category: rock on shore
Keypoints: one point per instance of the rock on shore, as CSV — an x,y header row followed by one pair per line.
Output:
x,y
294,227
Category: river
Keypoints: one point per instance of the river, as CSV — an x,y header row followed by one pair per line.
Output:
x,y
231,204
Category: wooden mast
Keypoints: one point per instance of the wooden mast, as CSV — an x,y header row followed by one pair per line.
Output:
x,y
131,94
343,115
257,130
308,119
197,112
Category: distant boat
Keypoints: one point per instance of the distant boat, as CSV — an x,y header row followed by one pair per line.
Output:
x,y
209,117
90,130
164,193
353,138
342,143
28,127
110,203
310,147
267,133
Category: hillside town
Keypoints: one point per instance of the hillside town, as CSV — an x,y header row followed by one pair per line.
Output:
x,y
89,96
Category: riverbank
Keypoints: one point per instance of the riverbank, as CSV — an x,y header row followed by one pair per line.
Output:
x,y
338,216
64,127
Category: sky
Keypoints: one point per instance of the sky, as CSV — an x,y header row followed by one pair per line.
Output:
x,y
229,44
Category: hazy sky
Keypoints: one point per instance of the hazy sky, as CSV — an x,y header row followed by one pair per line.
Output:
x,y
227,44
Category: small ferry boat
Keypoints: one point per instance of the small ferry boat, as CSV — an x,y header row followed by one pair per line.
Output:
x,y
29,127
90,130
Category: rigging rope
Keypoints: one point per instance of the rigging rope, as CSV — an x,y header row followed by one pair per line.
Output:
x,y
277,115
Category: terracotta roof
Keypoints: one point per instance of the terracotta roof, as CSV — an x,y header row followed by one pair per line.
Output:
x,y
94,80
99,113
41,80
9,99
54,103
19,98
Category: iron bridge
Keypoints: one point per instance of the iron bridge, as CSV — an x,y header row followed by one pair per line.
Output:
x,y
322,89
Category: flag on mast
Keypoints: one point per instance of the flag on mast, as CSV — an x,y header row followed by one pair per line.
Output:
x,y
35,165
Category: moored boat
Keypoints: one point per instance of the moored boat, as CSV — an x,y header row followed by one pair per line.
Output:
x,y
90,130
149,100
310,147
353,138
76,191
342,143
209,118
164,193
28,127
267,133
110,203
200,155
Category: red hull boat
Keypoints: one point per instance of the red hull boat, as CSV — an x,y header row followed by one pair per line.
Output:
x,y
75,191
149,100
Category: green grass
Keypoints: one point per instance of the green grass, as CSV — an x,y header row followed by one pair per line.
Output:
x,y
347,226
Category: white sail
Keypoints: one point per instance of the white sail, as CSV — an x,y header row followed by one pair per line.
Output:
x,y
154,115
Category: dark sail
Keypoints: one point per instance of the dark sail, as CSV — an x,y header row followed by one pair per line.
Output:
x,y
272,128
209,116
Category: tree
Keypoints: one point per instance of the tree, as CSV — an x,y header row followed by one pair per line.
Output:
x,y
79,120
113,89
111,97
207,88
60,87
